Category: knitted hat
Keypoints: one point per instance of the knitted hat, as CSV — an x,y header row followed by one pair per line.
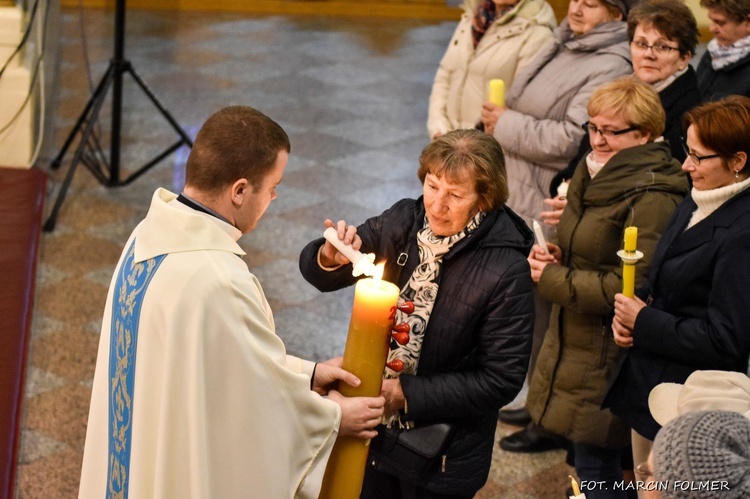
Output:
x,y
704,454
702,391
623,5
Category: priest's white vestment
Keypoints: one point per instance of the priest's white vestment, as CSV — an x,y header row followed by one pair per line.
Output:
x,y
215,408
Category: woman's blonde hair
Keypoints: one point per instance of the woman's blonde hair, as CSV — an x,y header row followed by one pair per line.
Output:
x,y
632,100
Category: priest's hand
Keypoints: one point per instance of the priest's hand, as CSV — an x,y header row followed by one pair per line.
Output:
x,y
329,372
359,415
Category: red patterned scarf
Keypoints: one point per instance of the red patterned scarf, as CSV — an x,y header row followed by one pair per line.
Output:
x,y
485,14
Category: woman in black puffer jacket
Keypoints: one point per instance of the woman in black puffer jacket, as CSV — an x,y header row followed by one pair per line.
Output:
x,y
470,340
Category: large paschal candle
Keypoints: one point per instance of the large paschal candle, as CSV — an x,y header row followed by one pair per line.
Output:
x,y
365,354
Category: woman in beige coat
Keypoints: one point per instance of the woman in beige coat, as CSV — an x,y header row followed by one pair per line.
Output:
x,y
482,48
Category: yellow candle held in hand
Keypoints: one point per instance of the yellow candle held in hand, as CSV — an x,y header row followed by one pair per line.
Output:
x,y
365,355
497,92
628,265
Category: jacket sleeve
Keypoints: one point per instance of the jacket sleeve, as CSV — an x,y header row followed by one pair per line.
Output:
x,y
437,117
721,340
501,357
547,141
537,37
593,291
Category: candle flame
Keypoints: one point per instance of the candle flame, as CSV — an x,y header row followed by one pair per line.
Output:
x,y
378,274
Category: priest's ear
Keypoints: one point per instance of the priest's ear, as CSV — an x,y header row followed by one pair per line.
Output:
x,y
241,188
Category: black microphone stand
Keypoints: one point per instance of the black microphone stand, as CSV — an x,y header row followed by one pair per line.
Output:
x,y
109,175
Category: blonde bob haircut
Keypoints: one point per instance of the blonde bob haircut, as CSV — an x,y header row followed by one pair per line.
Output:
x,y
632,100
471,154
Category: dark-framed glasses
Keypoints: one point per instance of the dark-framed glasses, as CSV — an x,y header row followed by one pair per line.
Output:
x,y
657,48
592,129
694,158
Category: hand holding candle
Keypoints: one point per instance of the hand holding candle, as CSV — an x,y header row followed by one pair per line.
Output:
x,y
497,92
362,264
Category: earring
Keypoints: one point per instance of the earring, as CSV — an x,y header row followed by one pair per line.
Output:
x,y
736,174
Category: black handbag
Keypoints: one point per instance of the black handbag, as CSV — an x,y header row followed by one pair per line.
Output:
x,y
410,453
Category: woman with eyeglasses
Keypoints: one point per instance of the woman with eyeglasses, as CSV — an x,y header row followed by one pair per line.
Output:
x,y
694,310
540,131
627,179
663,36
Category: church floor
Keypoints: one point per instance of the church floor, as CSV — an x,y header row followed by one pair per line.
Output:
x,y
352,94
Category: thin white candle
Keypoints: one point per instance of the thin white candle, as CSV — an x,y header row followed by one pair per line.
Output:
x,y
363,263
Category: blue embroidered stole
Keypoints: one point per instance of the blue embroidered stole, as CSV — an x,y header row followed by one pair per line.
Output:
x,y
129,290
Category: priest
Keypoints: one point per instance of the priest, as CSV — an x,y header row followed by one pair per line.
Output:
x,y
194,395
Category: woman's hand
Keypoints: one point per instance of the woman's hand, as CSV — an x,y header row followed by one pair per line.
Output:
x,y
552,217
359,415
627,309
622,335
394,396
329,255
329,372
538,259
490,114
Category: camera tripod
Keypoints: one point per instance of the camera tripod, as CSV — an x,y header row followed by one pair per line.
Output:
x,y
109,174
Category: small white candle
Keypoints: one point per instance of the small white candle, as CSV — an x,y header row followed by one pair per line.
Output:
x,y
540,236
363,264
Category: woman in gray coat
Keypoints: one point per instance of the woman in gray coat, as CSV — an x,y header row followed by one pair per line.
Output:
x,y
540,129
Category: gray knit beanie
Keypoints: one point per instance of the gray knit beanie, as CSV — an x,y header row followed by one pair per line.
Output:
x,y
703,454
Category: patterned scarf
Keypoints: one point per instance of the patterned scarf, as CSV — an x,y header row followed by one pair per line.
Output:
x,y
724,56
485,14
422,289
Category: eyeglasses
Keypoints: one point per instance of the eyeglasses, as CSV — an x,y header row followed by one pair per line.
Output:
x,y
658,48
695,158
592,129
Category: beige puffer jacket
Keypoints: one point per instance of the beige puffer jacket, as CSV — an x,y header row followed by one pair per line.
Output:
x,y
508,46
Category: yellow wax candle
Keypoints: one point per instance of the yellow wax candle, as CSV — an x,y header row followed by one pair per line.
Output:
x,y
497,92
631,237
628,267
574,486
364,355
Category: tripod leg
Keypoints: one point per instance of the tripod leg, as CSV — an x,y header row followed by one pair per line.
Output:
x,y
95,105
185,138
100,88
